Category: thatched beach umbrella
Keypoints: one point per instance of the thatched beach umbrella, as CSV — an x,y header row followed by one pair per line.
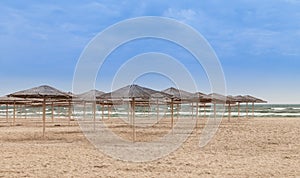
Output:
x,y
199,98
239,99
179,94
179,97
89,97
134,94
247,99
253,100
13,101
160,98
216,99
42,92
230,100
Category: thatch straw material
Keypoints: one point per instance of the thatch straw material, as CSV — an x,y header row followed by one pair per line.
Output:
x,y
43,91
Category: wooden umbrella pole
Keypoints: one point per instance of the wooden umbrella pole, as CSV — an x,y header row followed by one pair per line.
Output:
x,y
7,113
157,110
215,114
94,115
192,110
128,112
109,109
44,116
52,111
25,111
172,113
145,109
252,110
204,114
199,110
60,113
229,112
102,111
70,112
133,120
238,110
197,113
247,110
177,109
14,117
20,111
84,110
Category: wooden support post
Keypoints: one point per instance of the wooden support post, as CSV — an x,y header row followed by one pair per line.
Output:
x,y
204,114
133,120
84,110
157,110
215,114
192,110
128,112
229,112
148,110
177,109
172,114
7,113
94,115
199,110
197,113
94,112
239,110
247,110
14,117
70,112
52,112
25,111
252,110
109,109
102,111
44,116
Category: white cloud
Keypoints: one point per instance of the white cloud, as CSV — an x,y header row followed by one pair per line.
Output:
x,y
184,15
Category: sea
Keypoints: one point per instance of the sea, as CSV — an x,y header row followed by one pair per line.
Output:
x,y
260,110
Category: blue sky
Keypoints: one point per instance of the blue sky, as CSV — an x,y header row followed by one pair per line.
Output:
x,y
257,42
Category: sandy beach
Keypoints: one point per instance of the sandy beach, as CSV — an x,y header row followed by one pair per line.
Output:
x,y
259,147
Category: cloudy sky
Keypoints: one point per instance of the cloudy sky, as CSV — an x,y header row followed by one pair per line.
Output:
x,y
257,42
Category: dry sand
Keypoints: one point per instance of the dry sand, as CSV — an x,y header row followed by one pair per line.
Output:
x,y
260,147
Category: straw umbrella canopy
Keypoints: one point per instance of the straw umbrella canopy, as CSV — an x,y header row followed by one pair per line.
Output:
x,y
240,99
203,98
253,100
134,94
230,100
179,95
246,99
90,97
217,98
13,101
141,94
199,97
160,98
44,92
